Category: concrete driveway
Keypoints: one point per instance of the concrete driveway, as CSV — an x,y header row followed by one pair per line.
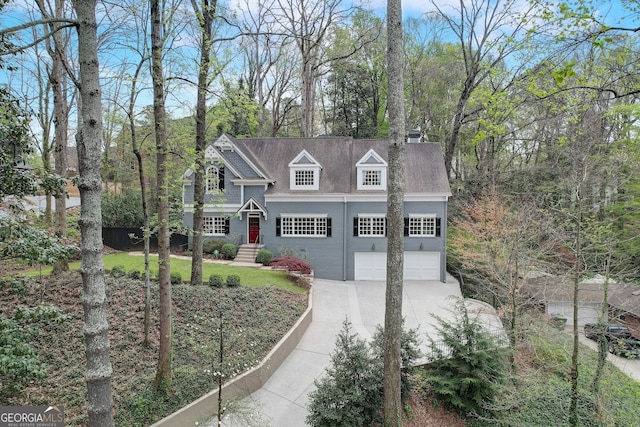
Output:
x,y
283,399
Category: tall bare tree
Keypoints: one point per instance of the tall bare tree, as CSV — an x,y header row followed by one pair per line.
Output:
x,y
56,47
308,21
89,144
205,11
395,213
164,373
264,48
487,32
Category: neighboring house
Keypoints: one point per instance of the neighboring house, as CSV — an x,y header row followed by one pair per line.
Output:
x,y
555,296
325,199
624,305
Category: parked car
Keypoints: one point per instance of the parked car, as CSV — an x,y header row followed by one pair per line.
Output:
x,y
611,331
626,347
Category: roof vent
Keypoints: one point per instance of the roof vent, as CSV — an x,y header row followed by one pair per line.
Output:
x,y
414,136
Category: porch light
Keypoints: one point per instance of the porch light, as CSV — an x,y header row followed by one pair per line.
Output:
x,y
373,247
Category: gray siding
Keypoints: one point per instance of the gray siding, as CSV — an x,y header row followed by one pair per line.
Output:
x,y
325,254
255,191
333,257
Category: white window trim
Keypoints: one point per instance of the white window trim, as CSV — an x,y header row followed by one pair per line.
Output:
x,y
362,170
284,217
423,216
316,178
369,216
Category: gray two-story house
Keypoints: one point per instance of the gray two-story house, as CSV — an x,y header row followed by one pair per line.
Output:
x,y
325,198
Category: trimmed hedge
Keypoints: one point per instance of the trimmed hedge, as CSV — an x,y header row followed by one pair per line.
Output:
x,y
233,280
216,281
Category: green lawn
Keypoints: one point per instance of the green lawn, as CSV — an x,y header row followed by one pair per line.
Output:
x,y
249,276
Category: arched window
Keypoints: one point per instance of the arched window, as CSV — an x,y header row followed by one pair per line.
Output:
x,y
215,178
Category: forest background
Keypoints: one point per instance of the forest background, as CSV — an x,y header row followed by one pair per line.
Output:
x,y
534,103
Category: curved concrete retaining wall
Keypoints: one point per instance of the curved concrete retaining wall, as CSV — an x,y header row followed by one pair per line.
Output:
x,y
205,407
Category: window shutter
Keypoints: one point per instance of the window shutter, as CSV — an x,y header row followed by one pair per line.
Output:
x,y
406,226
328,227
278,227
385,227
221,178
226,226
438,227
355,226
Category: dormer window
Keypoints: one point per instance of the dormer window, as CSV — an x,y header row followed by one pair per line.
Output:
x,y
304,172
372,172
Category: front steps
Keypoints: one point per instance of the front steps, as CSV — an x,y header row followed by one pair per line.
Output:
x,y
247,253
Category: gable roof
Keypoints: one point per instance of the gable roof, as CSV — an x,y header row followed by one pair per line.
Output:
x,y
425,172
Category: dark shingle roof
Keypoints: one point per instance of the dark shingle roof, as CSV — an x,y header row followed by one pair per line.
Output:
x,y
425,172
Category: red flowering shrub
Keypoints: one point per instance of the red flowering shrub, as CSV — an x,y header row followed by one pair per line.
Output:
x,y
291,263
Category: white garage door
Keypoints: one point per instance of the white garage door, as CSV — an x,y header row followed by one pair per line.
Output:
x,y
417,266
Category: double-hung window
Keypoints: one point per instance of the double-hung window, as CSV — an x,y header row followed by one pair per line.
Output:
x,y
303,225
422,225
374,225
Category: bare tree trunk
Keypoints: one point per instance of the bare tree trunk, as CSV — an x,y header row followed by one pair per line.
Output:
x,y
163,376
206,14
573,406
145,208
58,79
604,317
96,327
395,221
307,98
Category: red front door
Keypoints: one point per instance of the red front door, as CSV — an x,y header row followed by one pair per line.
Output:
x,y
254,229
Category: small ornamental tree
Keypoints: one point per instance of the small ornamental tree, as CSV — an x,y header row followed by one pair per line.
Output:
x,y
469,363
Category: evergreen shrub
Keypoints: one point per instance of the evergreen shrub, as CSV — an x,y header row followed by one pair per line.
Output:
x,y
216,281
233,280
118,271
351,392
469,363
176,278
228,251
264,257
134,274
